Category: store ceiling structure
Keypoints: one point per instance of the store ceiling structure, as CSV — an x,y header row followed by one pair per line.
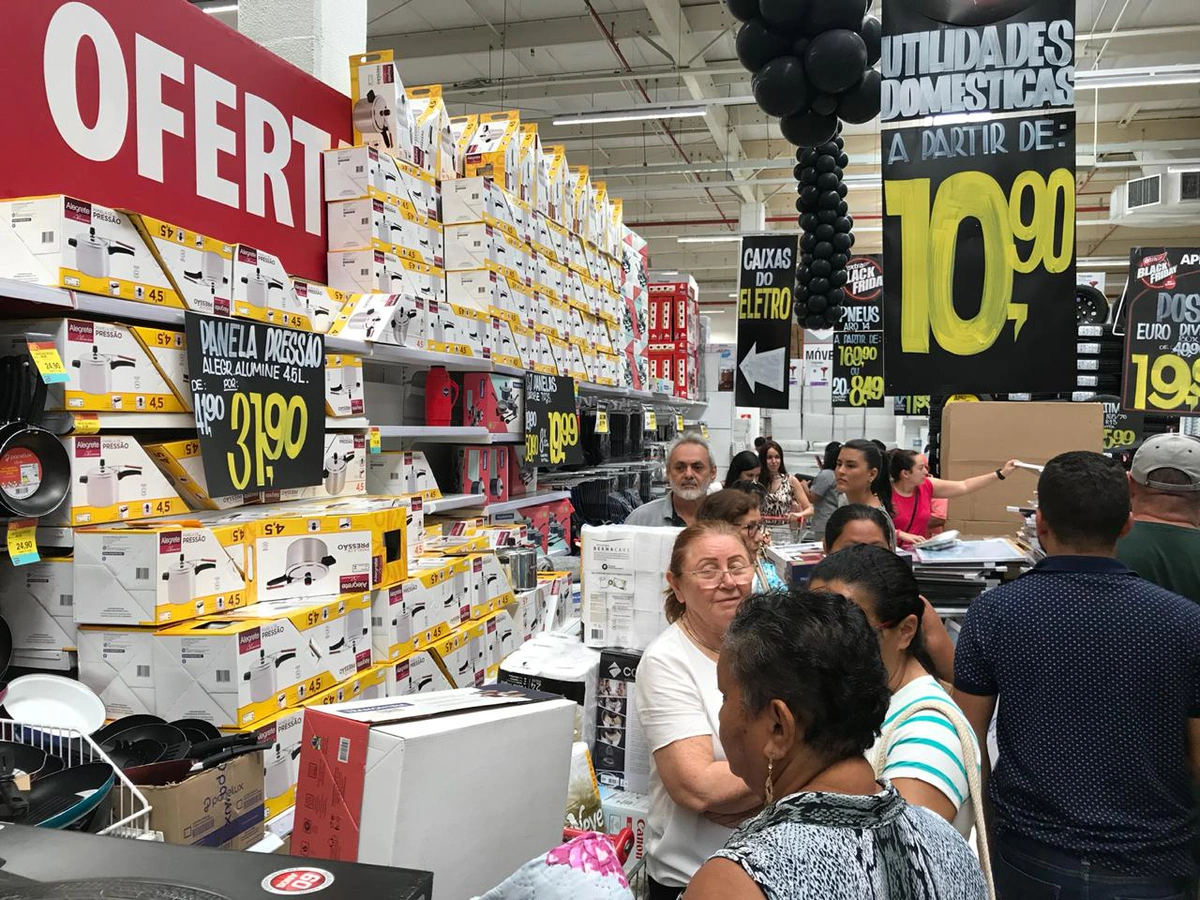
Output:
x,y
688,177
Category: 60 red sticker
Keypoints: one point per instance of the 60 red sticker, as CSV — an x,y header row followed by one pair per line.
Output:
x,y
297,881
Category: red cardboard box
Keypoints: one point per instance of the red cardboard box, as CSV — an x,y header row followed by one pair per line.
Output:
x,y
522,478
484,470
496,402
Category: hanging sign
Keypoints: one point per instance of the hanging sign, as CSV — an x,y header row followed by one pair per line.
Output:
x,y
979,199
259,399
1162,338
911,405
764,330
858,370
551,421
863,306
1122,429
160,108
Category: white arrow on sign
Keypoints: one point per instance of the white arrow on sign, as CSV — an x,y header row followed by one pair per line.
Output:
x,y
768,368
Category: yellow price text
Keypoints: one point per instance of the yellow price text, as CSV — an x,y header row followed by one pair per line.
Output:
x,y
1115,438
564,433
1167,383
268,429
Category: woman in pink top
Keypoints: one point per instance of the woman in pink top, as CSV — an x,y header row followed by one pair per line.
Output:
x,y
914,490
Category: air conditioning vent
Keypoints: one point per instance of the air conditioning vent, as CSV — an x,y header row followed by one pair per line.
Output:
x,y
1143,192
1189,185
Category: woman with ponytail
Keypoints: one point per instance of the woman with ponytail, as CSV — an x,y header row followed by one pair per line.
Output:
x,y
913,491
923,753
861,477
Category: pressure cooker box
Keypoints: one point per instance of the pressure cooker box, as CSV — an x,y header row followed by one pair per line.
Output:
x,y
181,464
460,656
107,366
529,156
399,319
200,268
36,601
352,173
458,330
368,222
494,148
375,271
343,385
323,303
112,479
168,350
380,107
507,348
417,673
343,473
479,199
434,148
61,241
416,611
117,664
239,668
262,289
497,295
478,245
558,207
151,573
395,472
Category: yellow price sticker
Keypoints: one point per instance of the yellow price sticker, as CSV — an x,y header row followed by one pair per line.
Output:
x,y
22,541
48,362
679,426
1169,382
864,389
268,428
651,421
532,446
1116,438
85,423
374,441
704,430
601,421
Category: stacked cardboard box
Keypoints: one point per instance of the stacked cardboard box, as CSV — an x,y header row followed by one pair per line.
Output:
x,y
675,335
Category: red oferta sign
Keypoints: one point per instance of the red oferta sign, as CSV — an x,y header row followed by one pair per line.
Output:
x,y
155,106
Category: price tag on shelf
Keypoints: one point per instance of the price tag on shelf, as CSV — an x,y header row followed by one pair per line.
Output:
x,y
679,426
374,441
651,420
704,431
601,421
22,541
85,423
259,400
48,362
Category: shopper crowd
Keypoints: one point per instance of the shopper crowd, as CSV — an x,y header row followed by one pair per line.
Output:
x,y
831,741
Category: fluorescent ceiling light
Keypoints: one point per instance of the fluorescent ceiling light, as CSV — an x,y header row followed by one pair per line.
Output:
x,y
1145,76
666,272
632,115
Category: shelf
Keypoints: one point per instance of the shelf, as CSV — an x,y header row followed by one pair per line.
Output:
x,y
451,434
496,509
62,423
447,502
409,356
36,293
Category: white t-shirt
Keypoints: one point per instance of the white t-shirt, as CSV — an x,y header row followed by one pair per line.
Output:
x,y
927,748
677,698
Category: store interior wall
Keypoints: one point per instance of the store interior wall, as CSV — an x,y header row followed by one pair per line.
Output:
x,y
317,36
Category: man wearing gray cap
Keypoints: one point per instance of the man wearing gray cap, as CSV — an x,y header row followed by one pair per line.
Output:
x,y
1164,544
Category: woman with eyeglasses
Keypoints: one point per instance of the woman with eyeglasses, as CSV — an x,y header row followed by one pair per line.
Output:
x,y
924,758
740,507
694,798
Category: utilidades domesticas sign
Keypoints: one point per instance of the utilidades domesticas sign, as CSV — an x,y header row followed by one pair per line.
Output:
x,y
154,106
1162,331
259,399
766,283
979,198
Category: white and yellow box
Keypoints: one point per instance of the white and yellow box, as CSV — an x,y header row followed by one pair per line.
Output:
x,y
403,615
459,330
243,667
149,573
381,109
434,146
417,673
261,286
322,303
280,734
369,222
399,319
300,556
414,522
181,464
117,664
113,479
344,469
37,602
61,241
374,271
400,473
107,367
343,385
352,173
558,174
579,187
529,165
506,347
455,598
479,199
200,268
493,148
492,292
419,196
168,349
480,246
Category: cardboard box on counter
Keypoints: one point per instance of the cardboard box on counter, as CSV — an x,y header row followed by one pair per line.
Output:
x,y
219,807
117,665
37,602
401,806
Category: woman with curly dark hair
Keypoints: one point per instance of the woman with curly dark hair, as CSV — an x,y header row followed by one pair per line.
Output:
x,y
805,692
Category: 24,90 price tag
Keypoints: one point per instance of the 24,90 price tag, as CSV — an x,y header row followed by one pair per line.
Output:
x,y
22,541
374,441
48,362
679,426
651,421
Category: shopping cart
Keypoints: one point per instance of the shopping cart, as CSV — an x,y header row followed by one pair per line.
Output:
x,y
635,869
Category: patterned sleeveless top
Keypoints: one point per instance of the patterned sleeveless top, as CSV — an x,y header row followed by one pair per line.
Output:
x,y
778,503
810,846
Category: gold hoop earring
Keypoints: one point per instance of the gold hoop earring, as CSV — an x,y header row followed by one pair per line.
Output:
x,y
770,791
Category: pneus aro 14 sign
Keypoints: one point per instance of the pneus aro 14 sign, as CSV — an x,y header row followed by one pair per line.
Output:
x,y
858,339
764,330
979,197
259,399
1162,336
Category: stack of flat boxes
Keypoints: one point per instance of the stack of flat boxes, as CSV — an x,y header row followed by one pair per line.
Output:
x,y
675,335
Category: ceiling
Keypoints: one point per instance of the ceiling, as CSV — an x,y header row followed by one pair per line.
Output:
x,y
682,176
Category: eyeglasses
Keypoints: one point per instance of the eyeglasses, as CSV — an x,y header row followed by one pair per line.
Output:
x,y
711,576
753,528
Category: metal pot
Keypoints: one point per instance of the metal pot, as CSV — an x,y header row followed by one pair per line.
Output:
x,y
95,371
103,483
258,289
307,561
522,568
181,579
92,253
212,265
373,116
334,474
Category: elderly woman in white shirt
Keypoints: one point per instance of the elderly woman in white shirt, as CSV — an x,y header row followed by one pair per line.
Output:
x,y
695,800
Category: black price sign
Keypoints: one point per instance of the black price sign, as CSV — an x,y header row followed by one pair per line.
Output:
x,y
764,330
979,212
858,369
1122,429
551,421
259,399
911,405
1162,337
863,308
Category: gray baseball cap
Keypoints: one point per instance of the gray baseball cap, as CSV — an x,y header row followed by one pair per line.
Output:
x,y
1180,452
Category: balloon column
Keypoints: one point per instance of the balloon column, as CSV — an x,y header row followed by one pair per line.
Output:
x,y
812,63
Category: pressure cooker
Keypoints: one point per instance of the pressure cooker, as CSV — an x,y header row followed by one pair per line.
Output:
x,y
258,288
372,115
103,483
261,675
181,578
335,470
95,370
307,561
93,253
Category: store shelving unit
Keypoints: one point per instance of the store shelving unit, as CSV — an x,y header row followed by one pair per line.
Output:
x,y
497,509
449,435
448,502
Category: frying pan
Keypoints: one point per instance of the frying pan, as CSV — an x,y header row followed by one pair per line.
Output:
x,y
33,761
116,726
146,743
170,771
211,731
27,447
65,797
206,749
56,701
6,652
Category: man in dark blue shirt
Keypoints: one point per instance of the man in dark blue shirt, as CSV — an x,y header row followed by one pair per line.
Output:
x,y
1098,676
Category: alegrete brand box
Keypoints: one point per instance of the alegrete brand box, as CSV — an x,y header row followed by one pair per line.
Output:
x,y
434,146
37,601
343,385
323,303
113,479
262,289
380,107
117,664
199,267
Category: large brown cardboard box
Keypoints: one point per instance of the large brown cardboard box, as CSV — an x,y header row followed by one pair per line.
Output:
x,y
978,438
219,807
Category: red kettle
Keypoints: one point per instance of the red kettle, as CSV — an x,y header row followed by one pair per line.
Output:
x,y
441,393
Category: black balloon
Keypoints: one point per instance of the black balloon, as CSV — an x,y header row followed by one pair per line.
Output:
x,y
871,32
818,285
842,160
825,163
833,314
807,129
808,221
808,175
822,250
803,274
835,296
840,241
814,321
828,182
786,15
842,224
817,304
852,239
780,87
757,44
743,10
862,104
823,232
806,259
834,61
807,242
800,46
821,268
838,278
825,15
826,216
824,104
828,148
809,195
829,200
807,156
842,207
842,188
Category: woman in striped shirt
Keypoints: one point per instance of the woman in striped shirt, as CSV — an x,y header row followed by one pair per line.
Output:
x,y
925,758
